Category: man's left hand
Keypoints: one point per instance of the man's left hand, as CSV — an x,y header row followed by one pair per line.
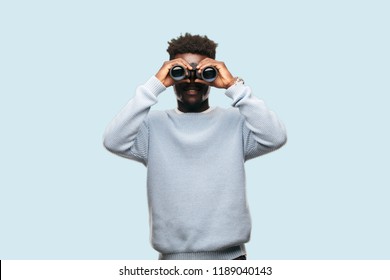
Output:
x,y
224,78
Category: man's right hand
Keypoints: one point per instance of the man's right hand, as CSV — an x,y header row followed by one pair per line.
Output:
x,y
163,73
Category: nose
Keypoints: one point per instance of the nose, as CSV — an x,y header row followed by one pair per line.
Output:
x,y
192,75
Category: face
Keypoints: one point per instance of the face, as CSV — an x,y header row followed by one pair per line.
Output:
x,y
191,94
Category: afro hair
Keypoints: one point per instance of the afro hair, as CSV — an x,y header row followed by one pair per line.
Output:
x,y
192,44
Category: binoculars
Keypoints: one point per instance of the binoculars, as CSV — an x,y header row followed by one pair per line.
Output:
x,y
208,74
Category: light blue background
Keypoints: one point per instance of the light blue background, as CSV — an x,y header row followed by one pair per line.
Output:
x,y
67,67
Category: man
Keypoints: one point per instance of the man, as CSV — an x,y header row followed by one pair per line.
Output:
x,y
195,154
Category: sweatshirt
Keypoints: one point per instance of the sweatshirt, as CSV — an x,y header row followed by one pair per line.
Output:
x,y
195,168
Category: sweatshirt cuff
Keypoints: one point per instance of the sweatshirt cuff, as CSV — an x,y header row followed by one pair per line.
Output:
x,y
237,92
155,86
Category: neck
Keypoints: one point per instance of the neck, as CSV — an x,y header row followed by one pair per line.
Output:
x,y
185,108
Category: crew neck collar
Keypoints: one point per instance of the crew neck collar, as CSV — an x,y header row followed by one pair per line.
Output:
x,y
204,112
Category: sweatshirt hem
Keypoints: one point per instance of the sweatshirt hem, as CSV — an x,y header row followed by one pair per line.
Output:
x,y
226,254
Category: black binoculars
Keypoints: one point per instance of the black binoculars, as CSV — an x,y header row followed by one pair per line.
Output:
x,y
208,74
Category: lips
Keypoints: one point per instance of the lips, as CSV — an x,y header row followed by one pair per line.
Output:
x,y
191,88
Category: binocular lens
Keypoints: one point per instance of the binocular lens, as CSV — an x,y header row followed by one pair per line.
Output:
x,y
209,74
177,72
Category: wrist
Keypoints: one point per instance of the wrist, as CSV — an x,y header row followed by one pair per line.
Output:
x,y
155,86
230,83
235,81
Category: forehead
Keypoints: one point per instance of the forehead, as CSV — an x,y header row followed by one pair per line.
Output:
x,y
191,57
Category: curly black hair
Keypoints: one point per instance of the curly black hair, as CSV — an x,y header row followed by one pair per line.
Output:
x,y
192,44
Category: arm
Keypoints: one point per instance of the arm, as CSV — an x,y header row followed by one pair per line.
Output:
x,y
127,134
263,131
121,133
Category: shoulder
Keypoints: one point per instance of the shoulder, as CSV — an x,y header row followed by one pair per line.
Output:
x,y
231,114
157,116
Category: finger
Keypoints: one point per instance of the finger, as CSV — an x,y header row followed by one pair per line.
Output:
x,y
177,62
205,63
182,62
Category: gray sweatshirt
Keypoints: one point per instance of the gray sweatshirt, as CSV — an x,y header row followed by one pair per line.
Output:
x,y
195,168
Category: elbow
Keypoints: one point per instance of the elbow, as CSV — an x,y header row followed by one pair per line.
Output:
x,y
111,145
116,146
278,141
108,144
280,138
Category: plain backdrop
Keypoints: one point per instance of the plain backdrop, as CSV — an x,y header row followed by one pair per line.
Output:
x,y
67,68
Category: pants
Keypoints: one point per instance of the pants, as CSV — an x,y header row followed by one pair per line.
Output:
x,y
243,257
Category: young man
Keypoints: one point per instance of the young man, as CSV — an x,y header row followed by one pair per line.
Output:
x,y
195,154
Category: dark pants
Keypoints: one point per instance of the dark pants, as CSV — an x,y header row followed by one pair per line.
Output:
x,y
243,257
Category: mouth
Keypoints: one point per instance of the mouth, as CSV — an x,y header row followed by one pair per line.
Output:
x,y
191,89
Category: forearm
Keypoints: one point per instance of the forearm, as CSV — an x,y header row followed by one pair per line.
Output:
x,y
121,132
267,129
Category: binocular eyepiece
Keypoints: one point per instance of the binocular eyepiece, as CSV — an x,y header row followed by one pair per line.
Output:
x,y
208,74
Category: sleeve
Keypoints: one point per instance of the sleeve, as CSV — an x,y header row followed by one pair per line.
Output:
x,y
263,132
127,134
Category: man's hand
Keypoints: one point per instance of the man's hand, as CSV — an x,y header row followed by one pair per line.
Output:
x,y
163,73
224,78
